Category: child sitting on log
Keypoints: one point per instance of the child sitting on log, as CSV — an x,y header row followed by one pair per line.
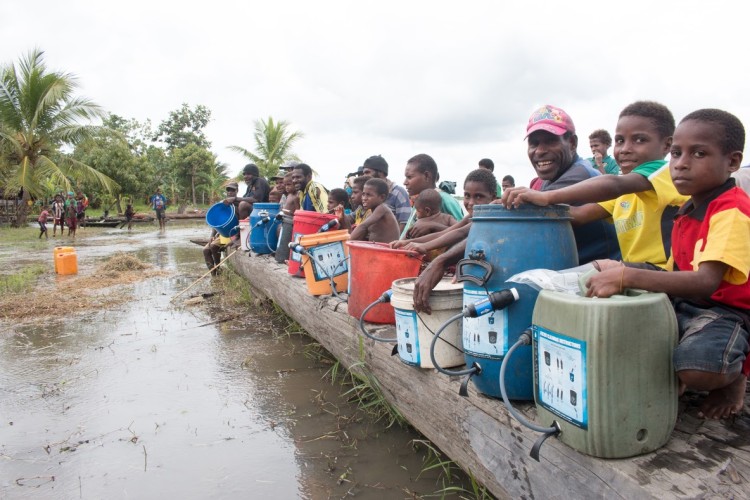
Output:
x,y
707,273
381,226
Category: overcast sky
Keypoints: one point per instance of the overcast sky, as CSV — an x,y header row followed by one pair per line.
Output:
x,y
456,80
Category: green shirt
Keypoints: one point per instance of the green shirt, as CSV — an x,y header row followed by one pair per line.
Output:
x,y
610,165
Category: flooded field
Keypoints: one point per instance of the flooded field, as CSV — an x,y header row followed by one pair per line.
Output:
x,y
154,399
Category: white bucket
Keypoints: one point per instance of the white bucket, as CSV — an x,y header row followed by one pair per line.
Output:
x,y
244,234
415,331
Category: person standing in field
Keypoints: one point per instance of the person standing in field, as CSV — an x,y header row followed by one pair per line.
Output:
x,y
159,205
58,214
71,214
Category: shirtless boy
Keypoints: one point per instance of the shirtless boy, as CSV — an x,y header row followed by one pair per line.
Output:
x,y
381,226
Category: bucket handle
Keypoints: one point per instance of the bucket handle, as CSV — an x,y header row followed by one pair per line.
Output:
x,y
462,275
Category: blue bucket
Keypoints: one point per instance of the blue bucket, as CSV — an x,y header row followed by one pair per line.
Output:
x,y
502,243
223,218
263,223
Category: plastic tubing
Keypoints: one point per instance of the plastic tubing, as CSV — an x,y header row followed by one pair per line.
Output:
x,y
442,370
524,339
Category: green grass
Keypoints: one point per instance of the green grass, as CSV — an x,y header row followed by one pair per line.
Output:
x,y
23,280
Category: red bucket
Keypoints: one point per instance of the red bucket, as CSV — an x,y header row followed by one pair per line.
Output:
x,y
305,222
373,267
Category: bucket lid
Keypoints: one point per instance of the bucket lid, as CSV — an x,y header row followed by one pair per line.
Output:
x,y
311,240
444,287
311,216
381,248
523,212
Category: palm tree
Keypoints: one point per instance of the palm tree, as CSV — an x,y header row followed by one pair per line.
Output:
x,y
38,115
273,146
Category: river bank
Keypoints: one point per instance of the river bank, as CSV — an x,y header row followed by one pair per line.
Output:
x,y
703,458
145,398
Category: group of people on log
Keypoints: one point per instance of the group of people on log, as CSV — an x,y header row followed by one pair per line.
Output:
x,y
681,227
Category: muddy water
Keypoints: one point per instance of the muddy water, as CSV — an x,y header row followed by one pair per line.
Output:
x,y
151,400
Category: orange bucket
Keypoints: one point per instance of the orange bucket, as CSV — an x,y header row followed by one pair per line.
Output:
x,y
67,263
374,267
61,250
326,260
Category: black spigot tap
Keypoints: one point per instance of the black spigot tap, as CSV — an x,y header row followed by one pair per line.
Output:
x,y
495,301
328,225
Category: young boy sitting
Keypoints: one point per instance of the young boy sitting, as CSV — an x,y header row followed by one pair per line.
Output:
x,y
710,262
291,203
381,226
427,205
642,201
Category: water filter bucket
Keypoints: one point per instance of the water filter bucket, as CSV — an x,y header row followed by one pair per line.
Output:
x,y
373,269
285,236
223,218
244,234
326,262
603,370
305,222
415,331
503,242
263,224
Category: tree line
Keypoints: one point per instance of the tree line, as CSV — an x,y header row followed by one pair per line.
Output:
x,y
52,140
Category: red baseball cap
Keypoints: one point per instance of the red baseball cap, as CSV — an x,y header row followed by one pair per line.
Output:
x,y
550,119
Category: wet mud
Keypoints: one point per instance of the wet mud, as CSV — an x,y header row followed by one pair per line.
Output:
x,y
154,399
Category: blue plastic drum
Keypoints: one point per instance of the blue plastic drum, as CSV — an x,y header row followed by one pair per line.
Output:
x,y
263,223
503,242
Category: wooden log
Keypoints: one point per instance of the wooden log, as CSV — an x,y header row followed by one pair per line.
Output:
x,y
703,459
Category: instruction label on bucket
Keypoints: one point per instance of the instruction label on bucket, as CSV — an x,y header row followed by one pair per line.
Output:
x,y
561,375
407,336
485,336
329,260
296,256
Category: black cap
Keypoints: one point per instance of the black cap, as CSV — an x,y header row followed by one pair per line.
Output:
x,y
251,168
378,163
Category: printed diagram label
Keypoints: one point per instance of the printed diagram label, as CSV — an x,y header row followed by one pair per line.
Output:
x,y
561,363
328,260
486,335
407,336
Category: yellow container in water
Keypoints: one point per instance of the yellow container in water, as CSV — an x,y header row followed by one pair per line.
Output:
x,y
61,250
67,263
326,261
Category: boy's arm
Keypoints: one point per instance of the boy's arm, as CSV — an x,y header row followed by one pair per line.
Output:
x,y
432,275
429,237
360,232
593,190
699,284
448,238
426,228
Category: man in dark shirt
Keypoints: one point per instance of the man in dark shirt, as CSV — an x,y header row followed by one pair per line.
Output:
x,y
257,191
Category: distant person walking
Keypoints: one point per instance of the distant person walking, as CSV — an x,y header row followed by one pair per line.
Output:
x,y
129,213
159,205
42,220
